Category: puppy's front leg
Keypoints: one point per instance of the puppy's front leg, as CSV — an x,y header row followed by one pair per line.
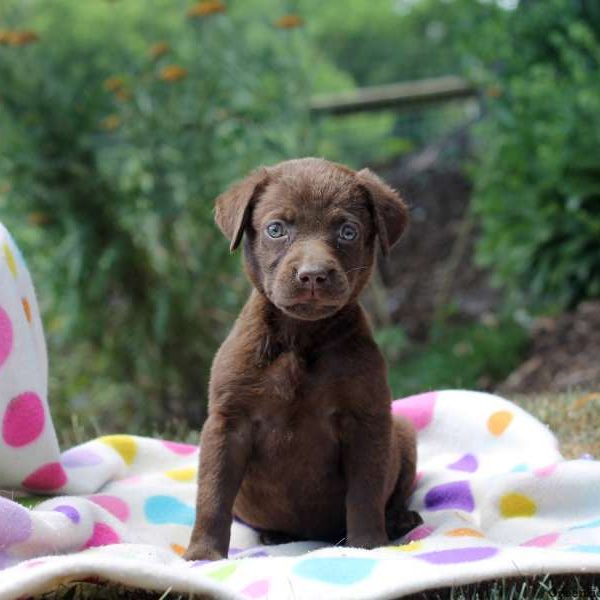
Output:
x,y
365,455
224,451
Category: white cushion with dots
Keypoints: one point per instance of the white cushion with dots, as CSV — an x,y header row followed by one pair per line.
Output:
x,y
29,454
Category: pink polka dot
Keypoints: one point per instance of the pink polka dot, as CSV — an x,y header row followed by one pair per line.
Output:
x,y
417,409
178,448
545,471
417,481
115,506
50,476
34,563
6,336
257,589
132,480
23,420
542,541
419,533
103,535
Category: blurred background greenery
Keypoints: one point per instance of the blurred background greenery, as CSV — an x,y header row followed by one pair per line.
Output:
x,y
120,121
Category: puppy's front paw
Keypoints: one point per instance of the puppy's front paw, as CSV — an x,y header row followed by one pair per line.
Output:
x,y
200,551
367,540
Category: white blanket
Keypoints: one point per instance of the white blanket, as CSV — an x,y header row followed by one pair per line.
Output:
x,y
497,498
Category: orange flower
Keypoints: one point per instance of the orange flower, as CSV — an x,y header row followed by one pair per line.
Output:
x,y
114,84
172,73
39,218
289,22
205,8
18,38
159,49
123,95
494,91
111,122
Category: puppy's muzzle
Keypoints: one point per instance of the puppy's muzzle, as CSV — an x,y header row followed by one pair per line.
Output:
x,y
314,278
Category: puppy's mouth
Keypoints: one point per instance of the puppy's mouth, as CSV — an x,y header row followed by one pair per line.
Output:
x,y
309,310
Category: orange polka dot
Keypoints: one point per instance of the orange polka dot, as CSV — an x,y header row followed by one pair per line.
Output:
x,y
499,421
465,532
178,549
26,308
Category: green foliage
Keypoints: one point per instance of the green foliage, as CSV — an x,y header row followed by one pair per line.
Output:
x,y
115,152
537,184
375,43
468,356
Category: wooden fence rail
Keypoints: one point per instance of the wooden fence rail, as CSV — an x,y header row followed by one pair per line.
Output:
x,y
397,96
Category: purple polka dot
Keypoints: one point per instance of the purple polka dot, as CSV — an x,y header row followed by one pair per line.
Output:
x,y
259,554
5,560
15,524
199,563
456,494
468,463
234,551
69,511
458,555
80,457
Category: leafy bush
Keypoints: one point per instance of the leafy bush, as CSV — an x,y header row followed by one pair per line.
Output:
x,y
474,356
537,185
120,124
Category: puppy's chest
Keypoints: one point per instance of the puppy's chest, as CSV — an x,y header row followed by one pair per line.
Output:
x,y
298,407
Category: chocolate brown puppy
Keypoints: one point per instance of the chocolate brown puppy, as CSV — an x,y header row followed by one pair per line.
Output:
x,y
300,439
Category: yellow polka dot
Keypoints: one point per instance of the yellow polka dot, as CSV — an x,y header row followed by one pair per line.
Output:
x,y
125,445
499,421
517,505
26,308
465,532
410,547
10,259
188,474
178,549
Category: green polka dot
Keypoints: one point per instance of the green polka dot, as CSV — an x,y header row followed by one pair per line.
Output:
x,y
222,573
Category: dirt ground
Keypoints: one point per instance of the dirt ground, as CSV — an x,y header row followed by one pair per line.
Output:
x,y
564,354
432,273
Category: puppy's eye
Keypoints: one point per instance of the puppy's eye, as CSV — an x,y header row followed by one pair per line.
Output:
x,y
276,229
348,232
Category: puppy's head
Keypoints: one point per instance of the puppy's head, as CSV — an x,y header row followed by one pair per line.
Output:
x,y
310,229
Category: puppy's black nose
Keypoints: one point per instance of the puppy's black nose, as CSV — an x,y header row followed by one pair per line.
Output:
x,y
312,277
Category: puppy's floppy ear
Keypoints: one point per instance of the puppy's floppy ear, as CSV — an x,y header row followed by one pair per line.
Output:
x,y
233,207
389,210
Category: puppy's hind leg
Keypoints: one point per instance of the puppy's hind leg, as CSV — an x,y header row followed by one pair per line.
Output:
x,y
398,519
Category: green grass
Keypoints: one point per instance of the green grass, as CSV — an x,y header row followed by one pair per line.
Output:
x,y
559,587
573,417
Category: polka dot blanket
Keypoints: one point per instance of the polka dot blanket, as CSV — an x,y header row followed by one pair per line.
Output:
x,y
497,498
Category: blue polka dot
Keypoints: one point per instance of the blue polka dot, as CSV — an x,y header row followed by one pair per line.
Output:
x,y
168,510
588,525
590,549
522,468
338,571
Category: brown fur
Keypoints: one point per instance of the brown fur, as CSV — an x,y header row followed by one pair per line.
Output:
x,y
300,439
